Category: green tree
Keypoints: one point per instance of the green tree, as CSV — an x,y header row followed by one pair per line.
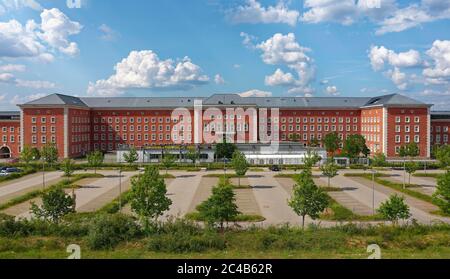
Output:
x,y
294,137
26,155
225,150
95,159
168,161
36,153
68,167
330,170
442,194
193,154
332,142
354,146
220,206
443,155
308,199
394,209
410,150
410,168
240,164
314,143
311,159
55,204
379,160
131,156
50,153
148,196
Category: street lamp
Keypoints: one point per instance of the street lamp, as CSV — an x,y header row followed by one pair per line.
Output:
x,y
43,174
120,190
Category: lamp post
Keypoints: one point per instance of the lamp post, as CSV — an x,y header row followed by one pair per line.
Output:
x,y
43,174
120,190
224,168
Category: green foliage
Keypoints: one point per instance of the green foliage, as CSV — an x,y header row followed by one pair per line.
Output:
x,y
193,155
354,146
220,207
311,159
308,199
108,230
168,161
409,150
442,194
36,154
330,170
331,142
131,156
26,155
379,160
148,195
410,168
50,153
55,204
225,150
240,164
443,155
95,159
394,209
68,167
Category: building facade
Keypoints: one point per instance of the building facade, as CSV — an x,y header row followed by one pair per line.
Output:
x,y
80,125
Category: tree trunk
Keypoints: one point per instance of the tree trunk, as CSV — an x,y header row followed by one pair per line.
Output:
x,y
303,222
239,181
328,182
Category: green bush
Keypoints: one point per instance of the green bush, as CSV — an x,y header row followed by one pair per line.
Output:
x,y
182,243
106,231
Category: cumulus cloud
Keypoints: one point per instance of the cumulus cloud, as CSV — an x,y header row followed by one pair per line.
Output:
x,y
11,5
108,34
18,100
248,40
218,79
332,90
38,41
253,12
438,71
398,78
285,50
6,77
145,70
379,56
385,13
255,93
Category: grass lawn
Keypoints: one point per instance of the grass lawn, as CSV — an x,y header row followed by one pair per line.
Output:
x,y
195,216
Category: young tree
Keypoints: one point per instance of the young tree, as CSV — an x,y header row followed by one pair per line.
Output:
x,y
443,155
225,150
379,160
332,142
354,146
50,153
168,161
294,137
68,167
394,209
308,199
410,168
330,170
314,143
131,156
55,204
26,155
193,155
240,164
311,159
220,206
442,194
148,196
95,159
36,154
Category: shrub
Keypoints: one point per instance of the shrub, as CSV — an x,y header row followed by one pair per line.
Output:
x,y
106,231
181,243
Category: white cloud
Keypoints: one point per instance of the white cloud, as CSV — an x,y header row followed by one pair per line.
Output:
x,y
36,41
248,40
56,28
35,84
398,78
279,78
108,34
253,12
6,77
144,70
18,100
12,68
438,71
285,50
379,56
255,93
218,79
11,5
332,90
385,13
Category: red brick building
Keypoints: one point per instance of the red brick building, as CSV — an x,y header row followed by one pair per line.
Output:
x,y
9,134
440,128
80,125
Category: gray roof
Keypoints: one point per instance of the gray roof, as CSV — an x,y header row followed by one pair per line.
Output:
x,y
440,115
226,100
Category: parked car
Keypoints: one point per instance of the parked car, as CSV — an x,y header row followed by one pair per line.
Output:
x,y
13,170
275,168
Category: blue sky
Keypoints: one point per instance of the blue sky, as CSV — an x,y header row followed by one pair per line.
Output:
x,y
201,47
